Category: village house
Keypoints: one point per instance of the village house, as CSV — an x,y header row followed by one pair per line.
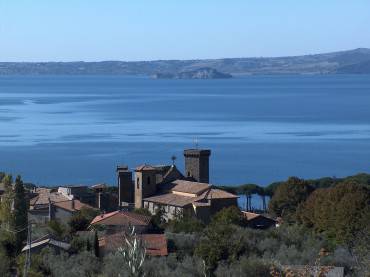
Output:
x,y
47,241
165,187
121,221
53,205
155,244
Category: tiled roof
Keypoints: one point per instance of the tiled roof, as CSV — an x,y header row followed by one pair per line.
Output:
x,y
145,167
47,241
301,270
155,244
72,205
121,218
249,215
171,199
217,194
186,187
45,194
178,200
172,174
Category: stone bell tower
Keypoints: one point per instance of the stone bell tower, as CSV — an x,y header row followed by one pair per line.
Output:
x,y
145,184
125,186
197,164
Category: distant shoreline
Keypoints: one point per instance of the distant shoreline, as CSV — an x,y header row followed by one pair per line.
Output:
x,y
355,61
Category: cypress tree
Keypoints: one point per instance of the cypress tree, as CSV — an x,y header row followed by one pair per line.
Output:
x,y
7,200
20,217
88,245
96,245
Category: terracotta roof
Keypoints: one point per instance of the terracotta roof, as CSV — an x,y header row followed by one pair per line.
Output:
x,y
155,244
171,199
72,205
328,271
121,218
187,186
45,194
249,215
145,167
178,200
217,194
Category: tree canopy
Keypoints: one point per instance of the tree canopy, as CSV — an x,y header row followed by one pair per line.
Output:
x,y
341,211
288,196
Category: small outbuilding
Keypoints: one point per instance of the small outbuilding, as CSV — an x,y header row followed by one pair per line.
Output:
x,y
258,221
47,241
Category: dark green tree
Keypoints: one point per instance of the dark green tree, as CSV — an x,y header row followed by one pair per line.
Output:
x,y
57,229
88,245
96,245
227,216
7,201
341,212
288,196
78,222
20,213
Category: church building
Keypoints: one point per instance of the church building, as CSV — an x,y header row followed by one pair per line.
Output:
x,y
166,188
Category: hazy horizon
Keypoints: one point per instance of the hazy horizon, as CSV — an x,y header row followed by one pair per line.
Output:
x,y
146,31
220,58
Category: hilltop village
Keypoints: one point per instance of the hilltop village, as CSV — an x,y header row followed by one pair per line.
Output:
x,y
156,213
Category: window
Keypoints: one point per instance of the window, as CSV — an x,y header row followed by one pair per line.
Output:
x,y
148,180
188,173
137,183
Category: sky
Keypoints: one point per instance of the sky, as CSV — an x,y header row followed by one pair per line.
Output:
x,y
131,30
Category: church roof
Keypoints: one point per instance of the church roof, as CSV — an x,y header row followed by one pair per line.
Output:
x,y
172,174
190,187
171,199
216,194
201,192
145,167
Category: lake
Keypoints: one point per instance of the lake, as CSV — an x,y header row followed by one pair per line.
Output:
x,y
77,129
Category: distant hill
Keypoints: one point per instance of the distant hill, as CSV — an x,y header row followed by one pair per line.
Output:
x,y
349,62
201,73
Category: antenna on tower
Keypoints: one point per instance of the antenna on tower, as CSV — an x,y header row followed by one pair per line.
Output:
x,y
196,143
173,158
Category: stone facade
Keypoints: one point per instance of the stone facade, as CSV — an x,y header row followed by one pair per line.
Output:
x,y
145,184
197,164
126,191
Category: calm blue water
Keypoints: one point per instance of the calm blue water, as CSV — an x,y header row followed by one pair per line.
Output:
x,y
76,129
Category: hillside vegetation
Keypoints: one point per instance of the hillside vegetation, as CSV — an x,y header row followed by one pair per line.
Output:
x,y
355,61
